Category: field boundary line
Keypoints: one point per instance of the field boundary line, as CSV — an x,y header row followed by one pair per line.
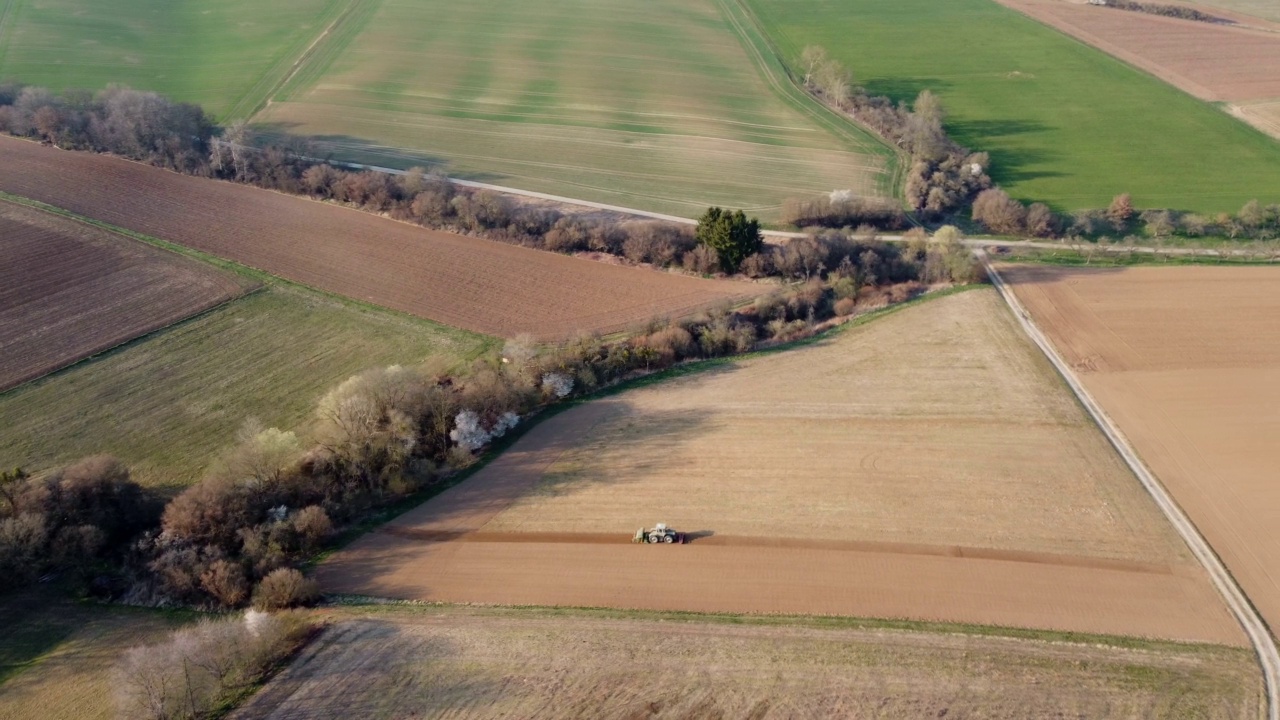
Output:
x,y
738,16
257,100
1237,602
240,269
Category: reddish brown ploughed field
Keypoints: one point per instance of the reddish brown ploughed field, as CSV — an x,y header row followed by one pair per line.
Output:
x,y
68,290
1213,62
478,285
1187,362
927,465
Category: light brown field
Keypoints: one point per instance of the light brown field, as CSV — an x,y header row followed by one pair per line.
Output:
x,y
1212,62
1187,361
926,465
489,663
478,285
69,290
1263,115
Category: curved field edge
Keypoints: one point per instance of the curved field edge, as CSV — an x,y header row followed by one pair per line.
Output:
x,y
1065,123
500,446
726,127
770,63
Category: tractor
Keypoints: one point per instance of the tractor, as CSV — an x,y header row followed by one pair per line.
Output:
x,y
659,533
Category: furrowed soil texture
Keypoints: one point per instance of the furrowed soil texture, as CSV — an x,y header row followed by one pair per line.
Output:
x,y
478,285
1210,61
226,56
661,105
1064,123
489,663
927,465
1187,362
168,404
68,290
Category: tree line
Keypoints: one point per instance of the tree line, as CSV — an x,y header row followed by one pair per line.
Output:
x,y
944,176
997,212
274,498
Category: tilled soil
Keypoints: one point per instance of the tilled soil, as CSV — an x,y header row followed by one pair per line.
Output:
x,y
1187,362
1213,62
926,465
475,284
69,290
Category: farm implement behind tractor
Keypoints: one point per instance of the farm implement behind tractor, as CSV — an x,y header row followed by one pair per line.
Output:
x,y
659,533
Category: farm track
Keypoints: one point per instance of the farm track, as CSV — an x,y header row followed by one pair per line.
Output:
x,y
1242,609
475,284
277,76
761,50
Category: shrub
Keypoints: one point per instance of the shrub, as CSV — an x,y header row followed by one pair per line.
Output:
x,y
226,582
199,669
284,588
1000,213
844,306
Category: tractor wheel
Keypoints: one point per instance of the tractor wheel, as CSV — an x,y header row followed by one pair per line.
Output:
x,y
668,538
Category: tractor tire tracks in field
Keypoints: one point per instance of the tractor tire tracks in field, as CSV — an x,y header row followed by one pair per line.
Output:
x,y
1250,621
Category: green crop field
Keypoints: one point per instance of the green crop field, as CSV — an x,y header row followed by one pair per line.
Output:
x,y
666,105
1064,123
169,402
227,55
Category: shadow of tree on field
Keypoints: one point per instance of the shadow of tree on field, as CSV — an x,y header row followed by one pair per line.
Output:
x,y
347,148
903,89
372,668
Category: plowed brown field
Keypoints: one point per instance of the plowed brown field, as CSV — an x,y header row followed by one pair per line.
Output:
x,y
1212,62
927,465
1187,361
478,285
68,290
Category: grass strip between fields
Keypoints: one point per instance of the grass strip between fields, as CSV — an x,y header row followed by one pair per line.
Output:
x,y
246,271
773,69
831,622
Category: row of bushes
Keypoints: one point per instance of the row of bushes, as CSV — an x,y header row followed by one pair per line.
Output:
x,y
274,499
944,176
202,669
999,213
146,127
1174,11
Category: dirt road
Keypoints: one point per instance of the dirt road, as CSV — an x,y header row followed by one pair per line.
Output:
x,y
1245,613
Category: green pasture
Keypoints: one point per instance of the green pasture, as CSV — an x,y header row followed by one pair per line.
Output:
x,y
666,105
1064,123
167,403
226,55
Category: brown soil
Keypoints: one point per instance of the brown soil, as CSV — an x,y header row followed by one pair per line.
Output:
x,y
475,284
1212,62
1187,361
926,465
69,290
495,663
